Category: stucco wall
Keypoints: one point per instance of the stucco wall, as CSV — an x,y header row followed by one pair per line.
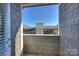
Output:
x,y
41,45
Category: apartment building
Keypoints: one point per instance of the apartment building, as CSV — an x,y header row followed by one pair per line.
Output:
x,y
41,29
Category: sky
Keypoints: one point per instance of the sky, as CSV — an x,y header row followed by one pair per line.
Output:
x,y
44,14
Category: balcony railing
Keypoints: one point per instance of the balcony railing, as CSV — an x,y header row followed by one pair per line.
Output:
x,y
41,44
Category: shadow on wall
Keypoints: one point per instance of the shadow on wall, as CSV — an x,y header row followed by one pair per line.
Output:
x,y
41,45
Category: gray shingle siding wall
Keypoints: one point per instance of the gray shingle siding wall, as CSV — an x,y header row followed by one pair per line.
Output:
x,y
16,28
69,29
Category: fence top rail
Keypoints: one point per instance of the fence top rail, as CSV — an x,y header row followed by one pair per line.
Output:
x,y
41,34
